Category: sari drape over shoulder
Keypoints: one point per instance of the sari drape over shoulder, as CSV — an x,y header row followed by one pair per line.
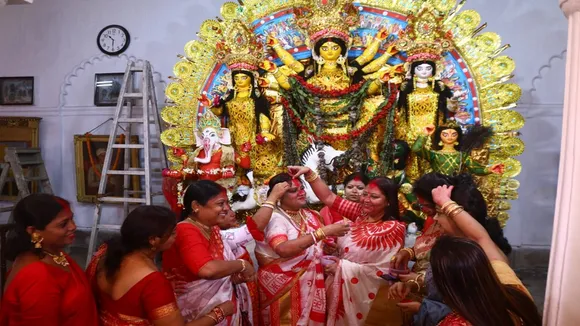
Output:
x,y
364,255
42,294
148,300
189,253
291,289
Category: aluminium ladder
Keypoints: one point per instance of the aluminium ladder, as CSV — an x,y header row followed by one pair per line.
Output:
x,y
149,118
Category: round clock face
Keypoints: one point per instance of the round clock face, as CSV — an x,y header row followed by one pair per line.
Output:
x,y
113,40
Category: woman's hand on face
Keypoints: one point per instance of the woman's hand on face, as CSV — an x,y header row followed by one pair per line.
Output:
x,y
336,230
227,307
296,171
278,191
441,194
400,260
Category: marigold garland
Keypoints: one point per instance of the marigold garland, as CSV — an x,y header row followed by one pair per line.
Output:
x,y
92,159
384,109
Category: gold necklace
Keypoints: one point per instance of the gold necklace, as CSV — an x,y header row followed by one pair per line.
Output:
x,y
59,259
206,230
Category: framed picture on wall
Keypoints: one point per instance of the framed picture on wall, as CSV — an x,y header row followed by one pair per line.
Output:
x,y
89,157
107,88
16,90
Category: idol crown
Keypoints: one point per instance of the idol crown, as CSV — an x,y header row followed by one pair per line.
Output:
x,y
239,49
327,19
424,38
208,120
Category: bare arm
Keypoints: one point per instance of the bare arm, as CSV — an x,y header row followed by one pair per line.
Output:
x,y
217,269
319,187
263,215
292,248
469,226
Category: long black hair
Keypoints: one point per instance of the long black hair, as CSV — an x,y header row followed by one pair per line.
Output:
x,y
390,190
409,86
278,178
261,104
466,194
36,210
142,224
200,191
468,283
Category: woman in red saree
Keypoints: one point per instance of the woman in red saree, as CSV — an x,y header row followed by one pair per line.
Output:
x,y
376,234
354,186
128,287
289,251
199,258
45,286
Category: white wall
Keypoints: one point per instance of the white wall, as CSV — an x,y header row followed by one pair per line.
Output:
x,y
55,41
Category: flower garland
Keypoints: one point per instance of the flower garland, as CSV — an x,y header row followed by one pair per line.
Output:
x,y
92,159
384,109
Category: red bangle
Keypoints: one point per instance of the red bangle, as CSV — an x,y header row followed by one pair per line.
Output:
x,y
219,314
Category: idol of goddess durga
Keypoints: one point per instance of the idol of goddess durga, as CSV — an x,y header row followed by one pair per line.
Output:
x,y
330,76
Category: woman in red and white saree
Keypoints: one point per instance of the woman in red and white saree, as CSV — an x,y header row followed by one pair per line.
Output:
x,y
291,275
199,258
354,186
364,255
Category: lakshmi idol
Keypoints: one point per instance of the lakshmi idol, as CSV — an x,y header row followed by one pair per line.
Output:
x,y
247,110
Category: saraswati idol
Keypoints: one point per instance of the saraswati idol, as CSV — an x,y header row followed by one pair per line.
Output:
x,y
329,97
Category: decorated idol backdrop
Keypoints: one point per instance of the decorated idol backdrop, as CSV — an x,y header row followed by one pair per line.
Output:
x,y
389,87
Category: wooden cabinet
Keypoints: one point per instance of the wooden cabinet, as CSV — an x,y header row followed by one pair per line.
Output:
x,y
19,132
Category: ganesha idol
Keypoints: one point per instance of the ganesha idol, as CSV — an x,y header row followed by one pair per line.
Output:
x,y
214,158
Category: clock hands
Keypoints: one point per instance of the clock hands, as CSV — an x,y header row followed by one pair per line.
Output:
x,y
112,39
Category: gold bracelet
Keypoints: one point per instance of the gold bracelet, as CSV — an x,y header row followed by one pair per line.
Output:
x,y
270,203
410,251
270,206
212,318
311,176
243,265
320,234
456,212
447,204
452,209
416,283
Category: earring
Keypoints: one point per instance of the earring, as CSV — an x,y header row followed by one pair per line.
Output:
x,y
440,143
341,60
195,211
37,240
456,143
320,61
153,248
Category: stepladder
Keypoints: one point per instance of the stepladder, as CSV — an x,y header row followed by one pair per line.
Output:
x,y
136,114
28,171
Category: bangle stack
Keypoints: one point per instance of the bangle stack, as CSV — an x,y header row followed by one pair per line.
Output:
x,y
318,235
269,204
310,177
451,209
416,283
219,315
243,265
410,251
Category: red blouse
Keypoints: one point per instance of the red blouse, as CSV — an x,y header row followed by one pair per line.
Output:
x,y
190,252
42,294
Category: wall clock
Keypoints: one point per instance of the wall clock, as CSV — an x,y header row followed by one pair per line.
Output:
x,y
113,40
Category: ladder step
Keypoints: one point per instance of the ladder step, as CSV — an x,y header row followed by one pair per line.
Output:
x,y
25,163
137,69
36,178
130,120
133,146
133,95
109,227
27,151
125,172
122,200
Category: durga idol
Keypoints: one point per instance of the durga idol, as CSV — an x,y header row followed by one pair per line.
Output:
x,y
330,96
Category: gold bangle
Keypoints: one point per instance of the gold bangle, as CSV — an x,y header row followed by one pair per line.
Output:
x,y
447,204
243,265
452,209
212,318
416,283
270,206
269,203
311,176
456,212
410,251
320,234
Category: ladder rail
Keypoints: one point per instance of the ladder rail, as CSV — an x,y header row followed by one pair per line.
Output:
x,y
146,151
